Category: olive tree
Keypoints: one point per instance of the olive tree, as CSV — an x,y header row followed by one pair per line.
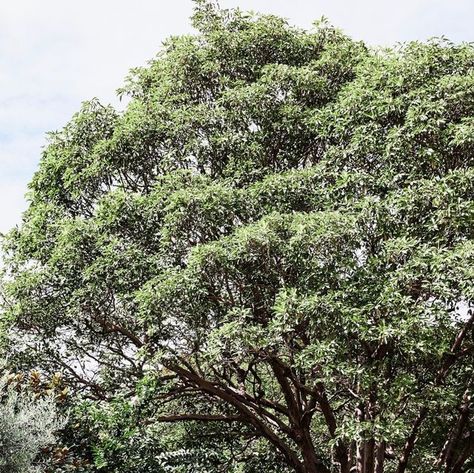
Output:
x,y
27,425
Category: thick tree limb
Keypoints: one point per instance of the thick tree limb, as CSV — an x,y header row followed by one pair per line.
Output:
x,y
201,418
253,418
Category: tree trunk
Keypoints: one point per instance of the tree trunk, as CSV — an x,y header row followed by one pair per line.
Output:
x,y
380,457
312,464
466,453
369,450
360,450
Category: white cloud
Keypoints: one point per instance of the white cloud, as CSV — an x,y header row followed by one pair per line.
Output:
x,y
13,204
379,22
55,54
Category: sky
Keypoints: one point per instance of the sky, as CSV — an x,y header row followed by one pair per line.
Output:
x,y
54,54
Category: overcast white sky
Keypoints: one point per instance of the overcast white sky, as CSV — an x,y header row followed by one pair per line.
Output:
x,y
56,53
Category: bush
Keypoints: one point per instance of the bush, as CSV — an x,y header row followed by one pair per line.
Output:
x,y
27,425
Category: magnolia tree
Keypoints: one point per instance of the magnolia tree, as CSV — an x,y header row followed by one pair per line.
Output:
x,y
272,245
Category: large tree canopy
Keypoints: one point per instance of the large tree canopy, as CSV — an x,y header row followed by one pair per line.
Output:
x,y
273,244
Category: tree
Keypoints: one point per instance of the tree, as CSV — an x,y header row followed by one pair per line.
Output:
x,y
273,241
27,425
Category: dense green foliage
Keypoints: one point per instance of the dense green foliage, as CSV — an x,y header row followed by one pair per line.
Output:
x,y
266,262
